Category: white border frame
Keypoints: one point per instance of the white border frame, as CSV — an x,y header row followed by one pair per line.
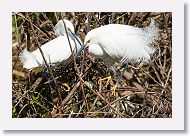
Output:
x,y
174,123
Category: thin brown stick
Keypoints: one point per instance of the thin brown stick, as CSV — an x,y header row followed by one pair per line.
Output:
x,y
48,67
77,69
101,97
70,95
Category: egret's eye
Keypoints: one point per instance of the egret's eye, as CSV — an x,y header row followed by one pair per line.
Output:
x,y
69,30
87,42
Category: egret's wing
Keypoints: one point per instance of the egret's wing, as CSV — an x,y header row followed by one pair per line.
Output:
x,y
121,41
149,33
56,50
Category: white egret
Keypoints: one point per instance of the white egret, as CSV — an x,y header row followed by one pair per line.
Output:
x,y
117,42
56,51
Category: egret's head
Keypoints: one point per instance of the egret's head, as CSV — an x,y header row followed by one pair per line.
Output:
x,y
92,45
69,25
89,42
88,38
86,44
60,29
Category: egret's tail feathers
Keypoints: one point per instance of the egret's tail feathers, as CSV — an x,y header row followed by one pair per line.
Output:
x,y
151,32
28,60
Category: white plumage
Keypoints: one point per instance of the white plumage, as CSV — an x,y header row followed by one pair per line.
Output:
x,y
60,29
115,42
56,51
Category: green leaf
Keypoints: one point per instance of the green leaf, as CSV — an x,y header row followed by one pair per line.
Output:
x,y
99,103
13,29
89,84
14,110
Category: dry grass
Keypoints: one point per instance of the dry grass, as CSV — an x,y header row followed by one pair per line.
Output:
x,y
144,92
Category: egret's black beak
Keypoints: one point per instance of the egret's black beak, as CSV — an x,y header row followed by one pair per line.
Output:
x,y
81,49
82,45
74,35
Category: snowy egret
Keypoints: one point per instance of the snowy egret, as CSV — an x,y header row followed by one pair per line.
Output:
x,y
56,51
124,43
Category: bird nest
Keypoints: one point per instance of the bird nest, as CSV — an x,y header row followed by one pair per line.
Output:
x,y
145,90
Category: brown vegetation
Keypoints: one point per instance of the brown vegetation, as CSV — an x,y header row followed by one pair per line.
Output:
x,y
144,92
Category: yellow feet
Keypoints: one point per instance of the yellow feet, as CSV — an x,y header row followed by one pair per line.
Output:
x,y
54,111
113,88
109,81
65,87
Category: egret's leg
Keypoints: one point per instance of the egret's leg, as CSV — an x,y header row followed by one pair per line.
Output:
x,y
116,72
124,66
114,86
46,75
109,81
64,86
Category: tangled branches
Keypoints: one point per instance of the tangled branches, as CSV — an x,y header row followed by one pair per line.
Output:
x,y
144,91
